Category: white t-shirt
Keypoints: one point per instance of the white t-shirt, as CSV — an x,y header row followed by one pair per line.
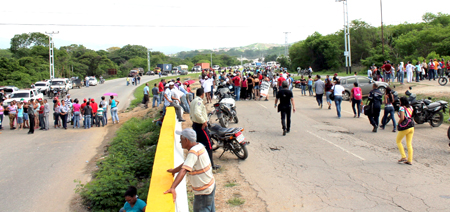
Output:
x,y
176,94
369,73
169,96
338,89
207,85
409,68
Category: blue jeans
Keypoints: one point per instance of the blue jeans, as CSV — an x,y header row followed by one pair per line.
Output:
x,y
56,118
356,103
388,111
205,203
328,97
237,91
76,119
392,77
310,90
114,115
1,121
417,76
184,104
338,101
87,121
87,83
105,115
156,99
99,120
387,77
401,75
303,87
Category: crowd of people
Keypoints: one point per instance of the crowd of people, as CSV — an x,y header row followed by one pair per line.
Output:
x,y
35,113
431,70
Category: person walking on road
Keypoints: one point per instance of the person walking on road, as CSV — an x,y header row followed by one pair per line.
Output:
x,y
328,86
200,174
155,92
303,85
405,112
388,109
375,100
286,105
319,87
356,98
338,90
310,86
199,120
146,95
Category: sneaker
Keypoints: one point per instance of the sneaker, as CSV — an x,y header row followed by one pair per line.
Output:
x,y
215,167
375,129
287,131
284,132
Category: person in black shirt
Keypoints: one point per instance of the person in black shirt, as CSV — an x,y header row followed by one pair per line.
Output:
x,y
375,100
286,99
31,117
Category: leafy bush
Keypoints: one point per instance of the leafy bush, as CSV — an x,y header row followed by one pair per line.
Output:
x,y
129,162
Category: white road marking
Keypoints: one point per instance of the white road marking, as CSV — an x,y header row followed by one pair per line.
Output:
x,y
261,105
342,148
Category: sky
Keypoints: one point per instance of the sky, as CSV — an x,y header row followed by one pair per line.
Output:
x,y
175,25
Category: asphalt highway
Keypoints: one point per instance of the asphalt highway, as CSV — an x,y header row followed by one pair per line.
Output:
x,y
38,171
331,164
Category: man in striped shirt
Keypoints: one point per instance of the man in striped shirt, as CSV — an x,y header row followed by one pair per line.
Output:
x,y
198,165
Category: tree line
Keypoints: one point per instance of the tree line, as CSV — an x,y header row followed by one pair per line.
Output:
x,y
403,42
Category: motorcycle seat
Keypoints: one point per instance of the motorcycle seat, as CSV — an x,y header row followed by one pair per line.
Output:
x,y
222,130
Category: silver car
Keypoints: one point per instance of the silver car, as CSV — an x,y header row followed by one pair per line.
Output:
x,y
363,82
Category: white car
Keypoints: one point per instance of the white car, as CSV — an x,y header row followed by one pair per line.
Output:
x,y
216,67
60,83
42,86
93,81
23,94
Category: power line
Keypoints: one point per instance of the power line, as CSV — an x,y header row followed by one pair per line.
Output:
x,y
121,25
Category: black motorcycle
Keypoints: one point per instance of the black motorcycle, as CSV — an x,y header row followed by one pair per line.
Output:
x,y
427,111
225,113
230,139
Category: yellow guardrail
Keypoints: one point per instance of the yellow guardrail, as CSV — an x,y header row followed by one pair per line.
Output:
x,y
161,180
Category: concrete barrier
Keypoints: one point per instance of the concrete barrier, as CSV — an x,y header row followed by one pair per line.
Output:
x,y
169,154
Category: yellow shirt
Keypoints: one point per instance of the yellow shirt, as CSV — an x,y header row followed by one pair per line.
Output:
x,y
436,64
198,111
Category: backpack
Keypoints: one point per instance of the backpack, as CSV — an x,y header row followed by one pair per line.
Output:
x,y
357,94
431,65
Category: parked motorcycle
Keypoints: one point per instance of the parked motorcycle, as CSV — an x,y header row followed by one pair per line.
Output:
x,y
225,109
230,139
427,111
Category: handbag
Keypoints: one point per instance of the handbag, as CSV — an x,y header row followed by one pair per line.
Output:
x,y
368,109
407,122
332,96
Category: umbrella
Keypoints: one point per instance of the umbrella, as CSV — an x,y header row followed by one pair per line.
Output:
x,y
189,82
110,94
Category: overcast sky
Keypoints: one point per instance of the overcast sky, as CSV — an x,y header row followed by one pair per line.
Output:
x,y
211,24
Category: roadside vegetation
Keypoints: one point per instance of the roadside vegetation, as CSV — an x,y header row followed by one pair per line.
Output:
x,y
128,161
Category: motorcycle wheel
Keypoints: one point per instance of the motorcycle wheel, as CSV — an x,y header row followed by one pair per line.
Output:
x,y
442,81
448,133
239,150
437,119
223,122
236,120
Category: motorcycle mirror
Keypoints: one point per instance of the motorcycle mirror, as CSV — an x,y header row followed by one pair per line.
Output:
x,y
429,98
410,88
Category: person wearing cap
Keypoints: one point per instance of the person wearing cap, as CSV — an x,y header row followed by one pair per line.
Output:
x,y
198,165
169,103
94,112
199,120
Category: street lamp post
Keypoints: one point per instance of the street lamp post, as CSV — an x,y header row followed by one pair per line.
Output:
x,y
382,32
347,52
211,61
51,56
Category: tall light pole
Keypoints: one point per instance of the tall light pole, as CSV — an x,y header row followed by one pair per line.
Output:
x,y
50,50
382,33
211,61
286,43
347,52
148,58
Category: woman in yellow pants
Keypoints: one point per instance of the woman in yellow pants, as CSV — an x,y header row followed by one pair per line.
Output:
x,y
405,110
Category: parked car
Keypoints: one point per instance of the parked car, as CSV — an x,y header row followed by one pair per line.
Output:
x,y
216,67
26,94
197,69
42,86
183,72
363,82
61,83
93,81
150,73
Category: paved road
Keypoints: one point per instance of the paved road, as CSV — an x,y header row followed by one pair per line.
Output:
x,y
330,164
38,171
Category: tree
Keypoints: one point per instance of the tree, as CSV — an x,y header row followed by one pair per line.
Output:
x,y
270,57
19,43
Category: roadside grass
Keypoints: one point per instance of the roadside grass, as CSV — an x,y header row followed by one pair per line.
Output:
x,y
139,92
433,98
190,195
231,184
128,161
236,201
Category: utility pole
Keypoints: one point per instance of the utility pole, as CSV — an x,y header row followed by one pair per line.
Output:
x,y
211,60
51,56
241,60
148,58
347,52
286,43
382,32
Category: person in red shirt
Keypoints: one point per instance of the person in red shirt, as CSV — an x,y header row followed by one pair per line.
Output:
x,y
84,104
280,80
260,77
161,89
94,106
387,71
237,86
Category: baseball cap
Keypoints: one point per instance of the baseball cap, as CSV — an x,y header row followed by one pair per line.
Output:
x,y
167,85
188,133
92,100
84,100
171,83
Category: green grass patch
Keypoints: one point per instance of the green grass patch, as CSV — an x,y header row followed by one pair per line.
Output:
x,y
231,184
433,98
129,161
235,201
139,92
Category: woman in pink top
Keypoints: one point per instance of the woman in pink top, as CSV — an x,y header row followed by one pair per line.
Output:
x,y
244,88
1,115
76,113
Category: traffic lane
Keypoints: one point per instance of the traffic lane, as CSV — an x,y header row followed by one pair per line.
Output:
x,y
43,166
319,165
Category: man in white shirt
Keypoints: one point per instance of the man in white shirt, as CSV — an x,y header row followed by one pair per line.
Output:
x,y
409,72
369,74
207,86
169,103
